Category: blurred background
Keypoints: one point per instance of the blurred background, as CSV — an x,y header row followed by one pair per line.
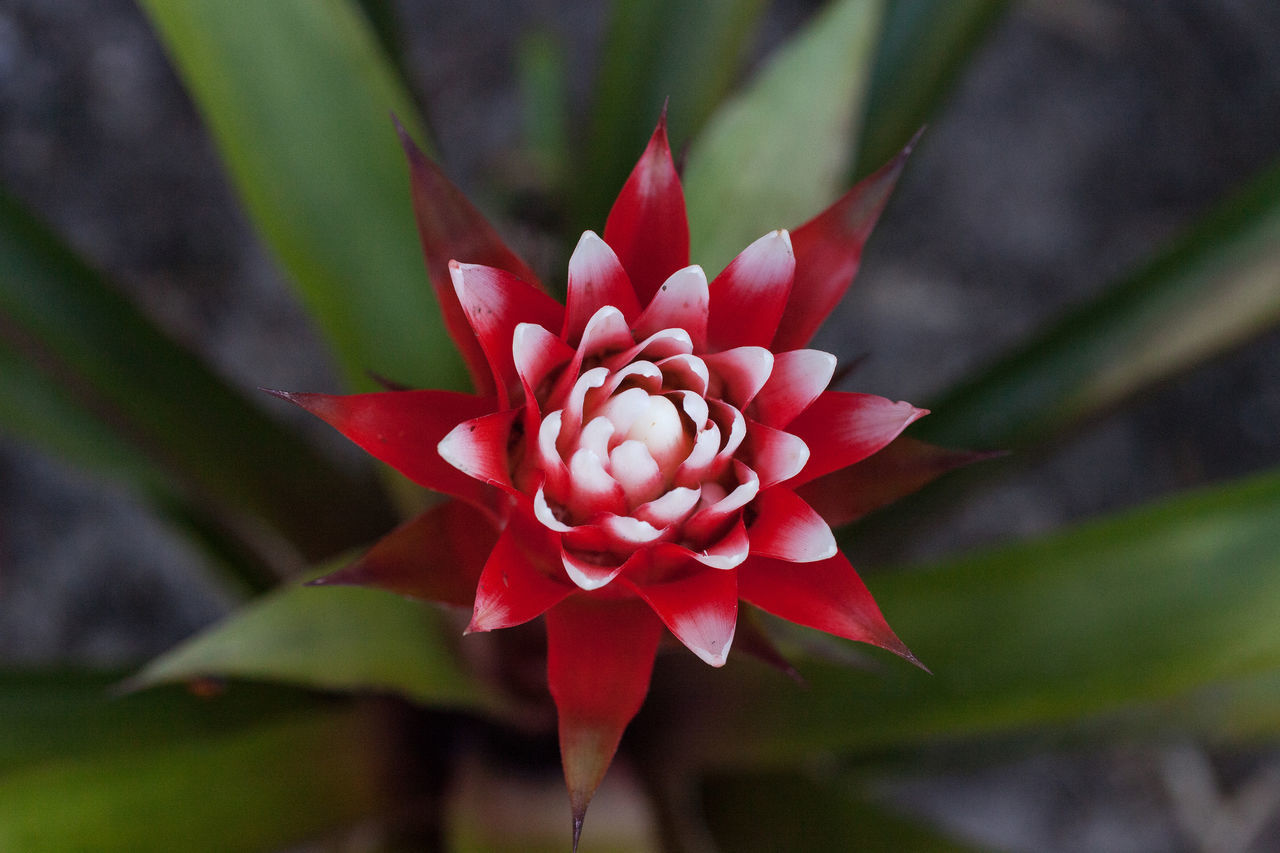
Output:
x,y
1082,137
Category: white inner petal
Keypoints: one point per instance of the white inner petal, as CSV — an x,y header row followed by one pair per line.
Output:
x,y
662,431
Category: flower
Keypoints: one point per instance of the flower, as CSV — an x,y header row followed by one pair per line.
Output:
x,y
643,457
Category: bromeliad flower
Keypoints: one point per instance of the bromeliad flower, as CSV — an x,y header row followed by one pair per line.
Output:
x,y
642,457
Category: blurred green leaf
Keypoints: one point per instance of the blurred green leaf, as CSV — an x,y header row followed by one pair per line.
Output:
x,y
802,814
655,50
923,47
49,715
255,788
1218,286
775,155
1130,610
298,95
544,89
335,638
89,377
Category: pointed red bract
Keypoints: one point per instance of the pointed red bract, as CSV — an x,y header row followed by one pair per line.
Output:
x,y
904,466
680,303
478,448
451,228
701,609
842,428
798,378
748,298
436,556
828,251
402,429
596,279
827,595
647,226
599,659
787,528
495,302
518,582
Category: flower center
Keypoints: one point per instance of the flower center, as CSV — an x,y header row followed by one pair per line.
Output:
x,y
661,430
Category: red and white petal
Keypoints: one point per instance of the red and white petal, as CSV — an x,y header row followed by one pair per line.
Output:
x,y
599,661
588,574
698,464
572,413
799,377
902,467
827,595
519,579
606,331
638,374
775,455
548,456
647,226
627,532
437,556
732,425
729,551
450,227
828,250
591,489
789,529
634,468
685,373
672,507
625,409
741,373
748,298
402,429
842,428
707,521
495,302
681,303
701,609
478,448
596,279
661,344
536,353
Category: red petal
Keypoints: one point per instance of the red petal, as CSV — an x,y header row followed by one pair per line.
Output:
x,y
596,279
748,298
478,448
826,595
828,250
402,428
842,428
789,529
518,582
700,609
774,455
647,226
901,468
495,302
681,303
437,556
599,660
798,378
451,228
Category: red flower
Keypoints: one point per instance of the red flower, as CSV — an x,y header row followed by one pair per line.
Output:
x,y
644,456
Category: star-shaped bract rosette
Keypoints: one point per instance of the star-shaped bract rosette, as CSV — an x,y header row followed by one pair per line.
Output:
x,y
642,457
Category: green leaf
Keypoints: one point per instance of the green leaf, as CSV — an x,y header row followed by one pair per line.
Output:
x,y
254,788
53,715
923,46
657,50
802,814
1135,609
89,377
334,638
1217,287
298,95
775,155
